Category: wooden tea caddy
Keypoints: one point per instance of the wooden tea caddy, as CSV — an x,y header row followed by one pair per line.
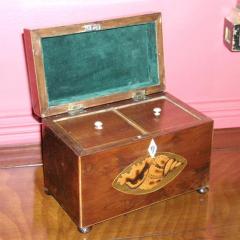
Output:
x,y
113,140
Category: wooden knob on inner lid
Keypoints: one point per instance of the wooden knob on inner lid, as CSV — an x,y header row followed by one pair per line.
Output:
x,y
98,125
157,111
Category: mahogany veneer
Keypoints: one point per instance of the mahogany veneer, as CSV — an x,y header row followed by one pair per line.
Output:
x,y
85,168
26,212
79,173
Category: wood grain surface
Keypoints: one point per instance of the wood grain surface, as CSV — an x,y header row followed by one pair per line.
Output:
x,y
82,129
171,117
95,194
101,201
61,174
27,213
12,156
79,132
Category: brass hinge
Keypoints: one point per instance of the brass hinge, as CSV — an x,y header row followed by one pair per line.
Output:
x,y
74,109
139,95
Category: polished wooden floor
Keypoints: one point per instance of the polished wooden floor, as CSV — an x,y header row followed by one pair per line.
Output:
x,y
27,213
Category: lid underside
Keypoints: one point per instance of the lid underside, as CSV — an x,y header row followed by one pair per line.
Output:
x,y
88,65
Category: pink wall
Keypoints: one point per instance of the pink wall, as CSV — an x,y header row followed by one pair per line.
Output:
x,y
199,69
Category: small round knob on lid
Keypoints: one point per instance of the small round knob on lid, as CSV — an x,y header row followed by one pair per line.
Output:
x,y
98,125
157,111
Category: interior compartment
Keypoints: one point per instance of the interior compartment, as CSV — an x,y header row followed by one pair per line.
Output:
x,y
82,129
128,121
172,115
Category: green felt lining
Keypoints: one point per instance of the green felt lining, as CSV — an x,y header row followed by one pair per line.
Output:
x,y
91,64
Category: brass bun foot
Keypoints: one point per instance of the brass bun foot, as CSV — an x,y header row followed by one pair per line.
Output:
x,y
203,190
84,229
46,191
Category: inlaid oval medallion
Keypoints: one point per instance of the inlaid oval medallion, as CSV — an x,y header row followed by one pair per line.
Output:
x,y
149,174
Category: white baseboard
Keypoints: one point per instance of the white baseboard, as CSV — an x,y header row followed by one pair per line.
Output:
x,y
224,112
18,128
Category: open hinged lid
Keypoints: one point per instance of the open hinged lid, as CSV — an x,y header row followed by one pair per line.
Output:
x,y
86,65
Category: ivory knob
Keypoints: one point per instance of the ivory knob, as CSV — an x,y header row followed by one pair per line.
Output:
x,y
157,111
98,125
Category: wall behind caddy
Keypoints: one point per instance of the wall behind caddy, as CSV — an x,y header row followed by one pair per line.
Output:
x,y
199,69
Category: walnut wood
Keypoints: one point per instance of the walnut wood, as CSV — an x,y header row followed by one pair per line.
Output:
x,y
36,68
26,212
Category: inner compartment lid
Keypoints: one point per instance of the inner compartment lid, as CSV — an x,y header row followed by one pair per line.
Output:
x,y
83,131
85,65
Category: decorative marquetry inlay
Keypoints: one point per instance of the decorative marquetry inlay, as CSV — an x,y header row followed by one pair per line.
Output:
x,y
149,174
